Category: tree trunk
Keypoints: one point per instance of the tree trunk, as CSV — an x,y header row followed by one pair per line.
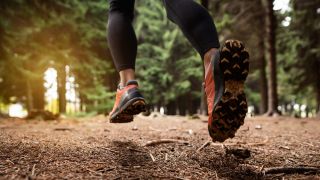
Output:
x,y
29,97
205,3
38,93
61,78
81,108
271,51
193,105
317,87
318,97
182,106
263,80
171,108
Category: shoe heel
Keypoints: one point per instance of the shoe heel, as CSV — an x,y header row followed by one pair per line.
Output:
x,y
136,107
122,118
139,106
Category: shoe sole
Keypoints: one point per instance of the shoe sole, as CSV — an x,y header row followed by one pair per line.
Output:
x,y
230,106
131,108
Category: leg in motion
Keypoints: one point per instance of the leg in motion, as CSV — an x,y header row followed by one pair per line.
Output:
x,y
225,70
123,47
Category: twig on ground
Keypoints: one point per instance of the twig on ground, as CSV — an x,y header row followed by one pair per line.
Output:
x,y
215,172
62,129
179,178
153,129
165,130
239,143
182,154
95,172
9,161
290,170
309,144
225,144
292,160
153,159
172,129
162,141
166,157
108,149
285,147
33,170
103,170
313,154
207,143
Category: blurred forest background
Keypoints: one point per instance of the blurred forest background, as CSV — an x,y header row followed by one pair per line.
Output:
x,y
54,56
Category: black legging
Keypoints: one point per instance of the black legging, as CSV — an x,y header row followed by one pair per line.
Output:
x,y
194,21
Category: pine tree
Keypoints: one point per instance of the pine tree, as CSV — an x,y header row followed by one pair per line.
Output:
x,y
167,67
302,53
33,45
271,55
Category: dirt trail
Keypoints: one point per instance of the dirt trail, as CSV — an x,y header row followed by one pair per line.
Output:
x,y
94,149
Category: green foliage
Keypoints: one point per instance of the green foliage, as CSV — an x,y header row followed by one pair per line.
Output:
x,y
101,99
238,19
299,54
55,34
166,63
37,34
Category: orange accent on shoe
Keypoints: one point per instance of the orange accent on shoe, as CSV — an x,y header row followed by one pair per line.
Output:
x,y
210,90
119,94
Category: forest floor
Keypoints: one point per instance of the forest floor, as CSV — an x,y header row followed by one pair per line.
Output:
x,y
92,148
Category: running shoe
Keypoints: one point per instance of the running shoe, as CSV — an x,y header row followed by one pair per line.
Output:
x,y
224,87
129,102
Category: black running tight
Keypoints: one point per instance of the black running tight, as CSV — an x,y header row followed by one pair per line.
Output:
x,y
194,21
